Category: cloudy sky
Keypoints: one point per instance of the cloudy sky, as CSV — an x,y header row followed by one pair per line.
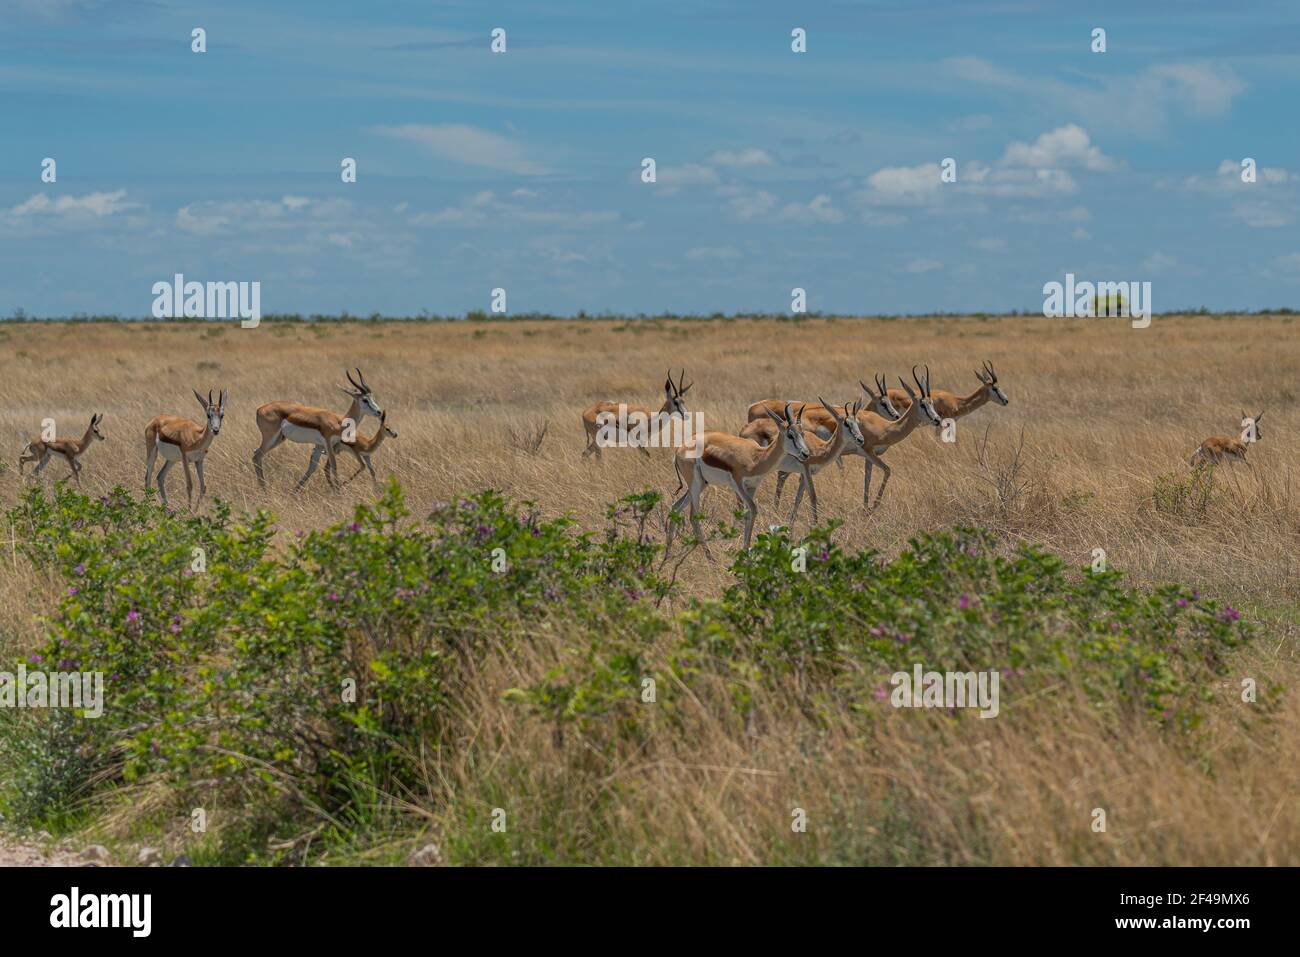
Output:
x,y
522,170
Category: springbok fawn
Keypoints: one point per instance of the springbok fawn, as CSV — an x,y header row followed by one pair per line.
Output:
x,y
70,450
1221,448
601,416
180,440
718,458
319,428
364,448
822,451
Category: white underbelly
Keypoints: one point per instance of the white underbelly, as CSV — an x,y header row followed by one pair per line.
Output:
x,y
713,475
299,433
172,453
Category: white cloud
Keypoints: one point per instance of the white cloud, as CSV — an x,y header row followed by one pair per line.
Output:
x,y
1063,147
748,157
467,144
672,178
752,205
904,185
209,218
1272,201
92,204
922,266
1143,102
819,210
989,245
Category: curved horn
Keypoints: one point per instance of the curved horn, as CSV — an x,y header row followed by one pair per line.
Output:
x,y
362,379
826,405
354,382
788,416
993,376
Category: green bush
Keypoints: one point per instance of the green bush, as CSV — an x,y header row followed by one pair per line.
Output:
x,y
316,673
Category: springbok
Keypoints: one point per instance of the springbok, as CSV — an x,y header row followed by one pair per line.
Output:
x,y
180,440
363,448
68,449
823,451
616,415
718,458
1220,448
319,428
881,404
879,434
951,406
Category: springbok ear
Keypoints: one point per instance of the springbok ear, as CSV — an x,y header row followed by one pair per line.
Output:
x,y
1260,416
773,416
222,403
907,388
201,401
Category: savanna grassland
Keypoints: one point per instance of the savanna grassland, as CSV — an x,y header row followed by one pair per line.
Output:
x,y
1092,452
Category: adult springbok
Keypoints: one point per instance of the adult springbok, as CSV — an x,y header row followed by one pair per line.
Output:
x,y
719,458
319,428
952,406
180,440
879,434
822,451
70,450
616,416
1221,448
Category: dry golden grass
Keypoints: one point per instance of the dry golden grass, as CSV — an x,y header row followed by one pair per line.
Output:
x,y
1104,410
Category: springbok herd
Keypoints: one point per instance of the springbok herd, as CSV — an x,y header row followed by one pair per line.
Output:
x,y
788,437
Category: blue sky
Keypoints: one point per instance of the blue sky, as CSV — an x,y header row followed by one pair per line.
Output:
x,y
521,170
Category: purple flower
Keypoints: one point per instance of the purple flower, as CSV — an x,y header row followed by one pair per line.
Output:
x,y
72,590
80,569
1229,614
36,659
354,527
132,615
965,601
903,637
1182,603
333,596
881,693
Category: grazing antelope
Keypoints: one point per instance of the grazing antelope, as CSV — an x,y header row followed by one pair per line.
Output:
x,y
180,440
718,458
822,451
950,406
364,448
319,428
1220,448
881,404
69,449
606,414
881,434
